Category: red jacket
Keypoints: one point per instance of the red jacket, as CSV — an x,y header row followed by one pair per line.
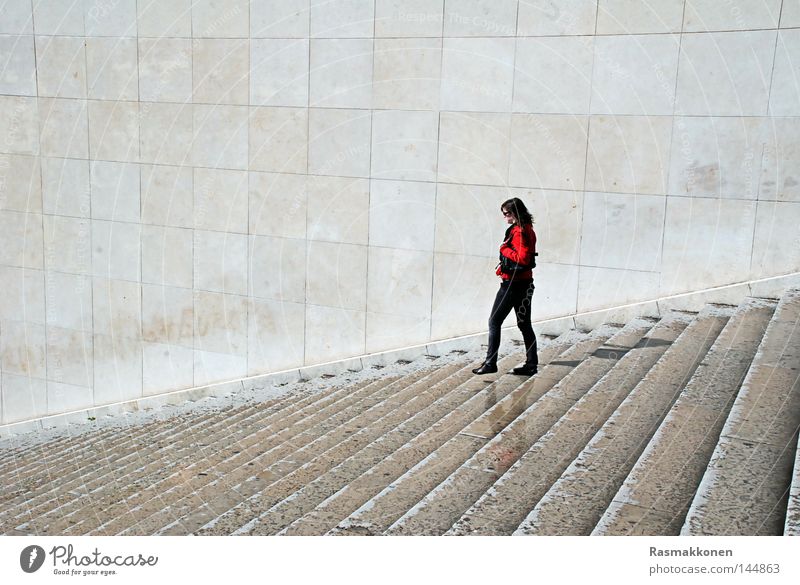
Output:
x,y
521,250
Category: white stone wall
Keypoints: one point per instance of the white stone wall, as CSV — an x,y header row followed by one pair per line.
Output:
x,y
199,190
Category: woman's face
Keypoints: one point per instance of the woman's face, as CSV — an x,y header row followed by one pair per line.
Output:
x,y
510,220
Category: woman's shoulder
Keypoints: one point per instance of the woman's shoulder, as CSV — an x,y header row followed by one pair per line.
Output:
x,y
527,233
528,227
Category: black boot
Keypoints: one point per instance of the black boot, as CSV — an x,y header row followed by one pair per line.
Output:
x,y
531,358
485,368
526,370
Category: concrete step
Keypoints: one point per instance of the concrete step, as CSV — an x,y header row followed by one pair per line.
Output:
x,y
745,489
218,507
413,421
577,500
271,453
130,429
792,525
93,459
686,423
376,515
504,505
440,509
348,486
291,498
75,457
656,495
70,457
127,470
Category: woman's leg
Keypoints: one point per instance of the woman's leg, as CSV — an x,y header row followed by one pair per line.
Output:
x,y
503,303
522,309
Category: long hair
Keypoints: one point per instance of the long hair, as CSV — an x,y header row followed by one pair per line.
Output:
x,y
517,208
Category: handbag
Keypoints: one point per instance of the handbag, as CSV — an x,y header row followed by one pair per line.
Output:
x,y
508,266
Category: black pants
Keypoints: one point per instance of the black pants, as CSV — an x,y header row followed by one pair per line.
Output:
x,y
517,296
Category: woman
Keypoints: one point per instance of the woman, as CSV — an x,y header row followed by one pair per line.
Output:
x,y
517,253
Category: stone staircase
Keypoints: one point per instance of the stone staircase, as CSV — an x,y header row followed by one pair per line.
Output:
x,y
683,424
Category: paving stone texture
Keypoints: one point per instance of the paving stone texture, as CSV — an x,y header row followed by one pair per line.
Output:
x,y
686,423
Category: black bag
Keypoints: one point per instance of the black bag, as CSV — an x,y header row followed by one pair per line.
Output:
x,y
508,266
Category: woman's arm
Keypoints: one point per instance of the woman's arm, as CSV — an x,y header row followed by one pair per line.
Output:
x,y
519,251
